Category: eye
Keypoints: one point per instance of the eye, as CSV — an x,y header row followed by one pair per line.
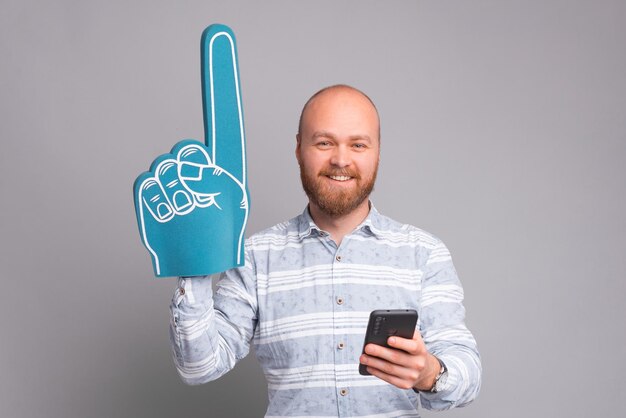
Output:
x,y
359,146
323,144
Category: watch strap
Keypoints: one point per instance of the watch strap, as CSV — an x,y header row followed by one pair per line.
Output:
x,y
442,371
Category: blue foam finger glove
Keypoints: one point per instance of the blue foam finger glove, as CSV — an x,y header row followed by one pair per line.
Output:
x,y
192,206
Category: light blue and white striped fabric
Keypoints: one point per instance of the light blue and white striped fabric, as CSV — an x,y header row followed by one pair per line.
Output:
x,y
304,303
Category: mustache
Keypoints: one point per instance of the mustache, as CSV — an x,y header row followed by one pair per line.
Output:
x,y
340,172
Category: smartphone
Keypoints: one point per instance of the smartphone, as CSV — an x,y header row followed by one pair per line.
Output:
x,y
385,323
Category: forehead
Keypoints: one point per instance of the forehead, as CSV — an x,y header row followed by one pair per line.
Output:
x,y
341,110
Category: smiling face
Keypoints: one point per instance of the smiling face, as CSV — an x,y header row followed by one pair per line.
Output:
x,y
338,150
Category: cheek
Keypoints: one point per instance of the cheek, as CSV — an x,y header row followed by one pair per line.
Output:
x,y
311,163
368,166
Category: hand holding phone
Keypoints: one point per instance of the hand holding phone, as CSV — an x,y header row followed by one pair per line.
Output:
x,y
385,323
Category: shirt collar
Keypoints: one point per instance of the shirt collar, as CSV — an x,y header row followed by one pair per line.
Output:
x,y
307,227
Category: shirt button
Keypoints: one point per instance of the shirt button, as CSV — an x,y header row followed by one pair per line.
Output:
x,y
341,346
338,258
339,301
343,392
182,290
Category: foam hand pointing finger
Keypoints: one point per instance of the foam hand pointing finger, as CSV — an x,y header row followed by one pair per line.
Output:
x,y
192,206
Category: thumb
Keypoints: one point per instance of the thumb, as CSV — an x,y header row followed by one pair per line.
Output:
x,y
205,180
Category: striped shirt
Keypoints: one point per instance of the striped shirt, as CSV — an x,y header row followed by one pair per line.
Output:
x,y
304,303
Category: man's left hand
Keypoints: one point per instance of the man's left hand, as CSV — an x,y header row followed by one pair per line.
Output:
x,y
406,365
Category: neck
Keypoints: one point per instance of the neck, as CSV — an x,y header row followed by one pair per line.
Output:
x,y
339,226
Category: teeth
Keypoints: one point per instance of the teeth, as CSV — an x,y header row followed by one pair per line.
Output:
x,y
340,178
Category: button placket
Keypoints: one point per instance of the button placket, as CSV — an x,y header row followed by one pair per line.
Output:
x,y
341,351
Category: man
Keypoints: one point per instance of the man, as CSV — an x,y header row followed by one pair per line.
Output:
x,y
304,296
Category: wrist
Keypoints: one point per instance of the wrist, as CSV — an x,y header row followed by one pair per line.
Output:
x,y
436,370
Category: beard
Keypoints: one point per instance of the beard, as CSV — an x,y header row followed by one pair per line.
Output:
x,y
332,200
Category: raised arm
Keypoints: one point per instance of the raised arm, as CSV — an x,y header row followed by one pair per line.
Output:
x,y
210,332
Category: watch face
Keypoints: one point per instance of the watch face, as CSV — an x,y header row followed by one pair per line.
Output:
x,y
441,383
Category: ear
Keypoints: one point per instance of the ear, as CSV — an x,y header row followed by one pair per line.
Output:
x,y
298,148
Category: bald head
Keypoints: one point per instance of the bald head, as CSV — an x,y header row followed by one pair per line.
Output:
x,y
334,92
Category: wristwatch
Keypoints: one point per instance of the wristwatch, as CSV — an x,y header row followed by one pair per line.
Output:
x,y
440,380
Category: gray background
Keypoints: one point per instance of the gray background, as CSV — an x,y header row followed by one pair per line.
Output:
x,y
503,134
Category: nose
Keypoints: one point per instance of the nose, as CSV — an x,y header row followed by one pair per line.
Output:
x,y
340,157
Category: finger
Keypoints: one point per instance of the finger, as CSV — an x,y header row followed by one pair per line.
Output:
x,y
390,372
208,181
389,354
193,158
151,196
389,378
221,99
177,195
145,189
199,176
413,346
192,152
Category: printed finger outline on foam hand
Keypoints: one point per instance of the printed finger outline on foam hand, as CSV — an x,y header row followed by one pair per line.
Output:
x,y
153,198
193,159
177,194
221,100
201,177
223,112
162,192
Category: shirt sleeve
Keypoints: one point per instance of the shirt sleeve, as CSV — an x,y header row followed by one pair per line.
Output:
x,y
442,325
211,331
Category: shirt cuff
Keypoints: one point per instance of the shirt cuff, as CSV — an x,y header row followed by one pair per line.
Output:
x,y
192,296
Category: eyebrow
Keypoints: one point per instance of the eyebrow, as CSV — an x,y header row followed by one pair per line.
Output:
x,y
326,134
